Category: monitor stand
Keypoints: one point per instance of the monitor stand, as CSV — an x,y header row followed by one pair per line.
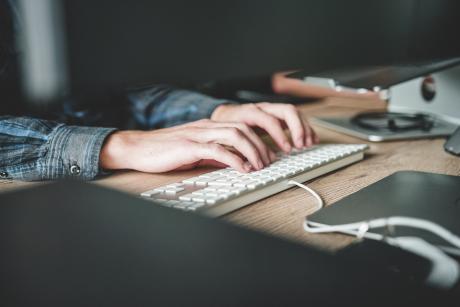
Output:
x,y
437,95
346,125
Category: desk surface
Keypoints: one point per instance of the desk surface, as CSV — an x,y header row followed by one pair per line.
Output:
x,y
282,214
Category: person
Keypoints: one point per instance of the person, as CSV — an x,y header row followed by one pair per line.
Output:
x,y
278,87
157,129
283,85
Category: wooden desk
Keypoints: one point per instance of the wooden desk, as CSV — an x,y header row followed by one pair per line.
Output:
x,y
282,214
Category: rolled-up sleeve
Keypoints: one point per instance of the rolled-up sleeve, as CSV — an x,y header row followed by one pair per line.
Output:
x,y
162,106
34,149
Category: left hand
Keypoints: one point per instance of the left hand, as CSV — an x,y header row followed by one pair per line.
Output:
x,y
273,118
283,85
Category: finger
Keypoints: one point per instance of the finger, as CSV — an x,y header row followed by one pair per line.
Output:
x,y
314,136
273,157
220,154
263,149
291,117
231,136
309,134
273,127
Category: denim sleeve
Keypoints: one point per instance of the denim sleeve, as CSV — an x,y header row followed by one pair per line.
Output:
x,y
165,106
33,149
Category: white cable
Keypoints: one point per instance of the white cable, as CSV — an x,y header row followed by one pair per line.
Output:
x,y
445,271
320,201
389,222
450,250
361,229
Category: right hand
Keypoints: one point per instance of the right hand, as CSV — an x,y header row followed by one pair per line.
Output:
x,y
204,142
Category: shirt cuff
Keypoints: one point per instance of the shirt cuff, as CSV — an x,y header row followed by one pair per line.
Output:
x,y
74,152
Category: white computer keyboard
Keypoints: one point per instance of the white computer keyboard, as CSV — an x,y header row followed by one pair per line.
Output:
x,y
219,192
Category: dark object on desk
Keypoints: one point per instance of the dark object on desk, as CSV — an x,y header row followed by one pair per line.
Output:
x,y
395,260
393,122
76,244
255,96
453,143
428,196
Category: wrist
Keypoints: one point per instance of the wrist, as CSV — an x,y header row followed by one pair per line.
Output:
x,y
114,152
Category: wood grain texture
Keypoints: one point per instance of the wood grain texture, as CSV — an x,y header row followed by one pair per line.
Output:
x,y
282,215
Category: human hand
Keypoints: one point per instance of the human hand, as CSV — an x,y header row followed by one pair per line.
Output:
x,y
273,118
204,142
283,85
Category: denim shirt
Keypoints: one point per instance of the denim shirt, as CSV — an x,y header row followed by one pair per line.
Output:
x,y
36,149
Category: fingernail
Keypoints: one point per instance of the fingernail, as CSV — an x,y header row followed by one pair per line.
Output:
x,y
287,146
266,160
247,166
300,143
260,164
272,156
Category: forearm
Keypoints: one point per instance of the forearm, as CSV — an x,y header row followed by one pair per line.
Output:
x,y
34,149
164,106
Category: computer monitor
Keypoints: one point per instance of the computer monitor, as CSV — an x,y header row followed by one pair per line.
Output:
x,y
88,46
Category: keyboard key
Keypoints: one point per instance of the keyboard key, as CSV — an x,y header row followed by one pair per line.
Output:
x,y
210,176
205,193
150,193
265,180
214,200
232,190
249,184
186,197
188,203
254,184
175,185
164,202
174,190
194,206
221,185
199,192
191,180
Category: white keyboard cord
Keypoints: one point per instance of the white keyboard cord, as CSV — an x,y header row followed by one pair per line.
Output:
x,y
320,202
